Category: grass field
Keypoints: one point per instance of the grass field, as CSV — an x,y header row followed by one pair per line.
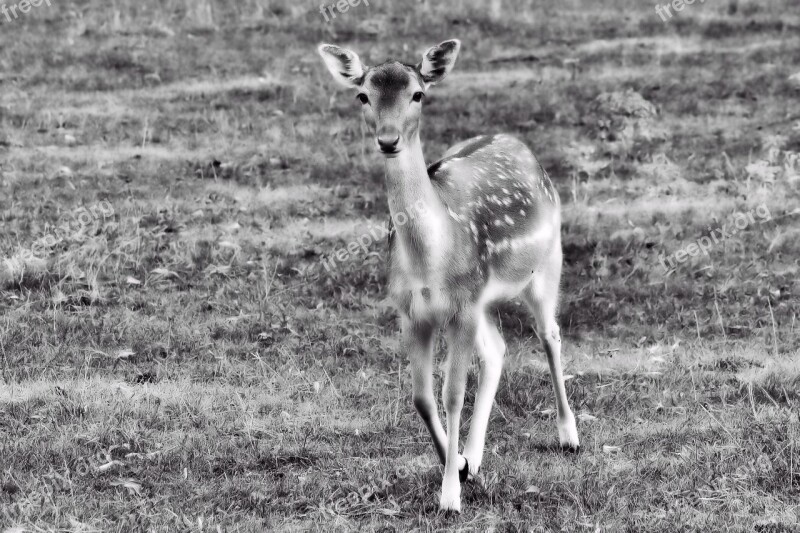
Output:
x,y
174,356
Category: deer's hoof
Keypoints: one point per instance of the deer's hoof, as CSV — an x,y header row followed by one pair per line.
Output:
x,y
463,474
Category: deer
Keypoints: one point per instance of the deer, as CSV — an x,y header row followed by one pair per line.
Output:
x,y
486,228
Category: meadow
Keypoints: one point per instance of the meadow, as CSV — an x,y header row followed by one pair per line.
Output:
x,y
174,355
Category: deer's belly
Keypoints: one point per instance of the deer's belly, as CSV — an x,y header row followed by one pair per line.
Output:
x,y
498,289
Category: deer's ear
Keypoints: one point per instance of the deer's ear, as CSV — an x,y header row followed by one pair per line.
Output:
x,y
439,60
345,66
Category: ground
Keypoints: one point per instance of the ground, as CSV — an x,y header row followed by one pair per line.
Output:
x,y
175,355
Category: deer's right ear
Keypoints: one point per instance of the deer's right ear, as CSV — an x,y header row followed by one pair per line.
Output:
x,y
345,66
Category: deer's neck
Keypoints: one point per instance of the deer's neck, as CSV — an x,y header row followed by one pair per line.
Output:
x,y
419,215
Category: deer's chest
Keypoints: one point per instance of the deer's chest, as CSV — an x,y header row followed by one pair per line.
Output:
x,y
419,284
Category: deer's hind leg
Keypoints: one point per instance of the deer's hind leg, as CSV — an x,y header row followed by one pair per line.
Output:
x,y
541,297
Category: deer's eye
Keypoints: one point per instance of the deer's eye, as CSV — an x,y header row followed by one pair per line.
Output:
x,y
418,96
363,98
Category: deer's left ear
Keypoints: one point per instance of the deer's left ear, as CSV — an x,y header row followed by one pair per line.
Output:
x,y
439,60
345,66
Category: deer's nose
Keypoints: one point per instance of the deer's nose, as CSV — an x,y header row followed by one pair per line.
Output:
x,y
388,140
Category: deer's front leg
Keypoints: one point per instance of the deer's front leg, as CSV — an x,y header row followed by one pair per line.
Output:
x,y
461,342
418,341
491,348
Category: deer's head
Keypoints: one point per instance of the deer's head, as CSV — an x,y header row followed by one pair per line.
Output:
x,y
391,93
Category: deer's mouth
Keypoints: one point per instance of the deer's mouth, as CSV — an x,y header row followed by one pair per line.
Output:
x,y
390,155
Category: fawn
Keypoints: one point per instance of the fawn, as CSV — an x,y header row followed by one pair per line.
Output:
x,y
490,231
